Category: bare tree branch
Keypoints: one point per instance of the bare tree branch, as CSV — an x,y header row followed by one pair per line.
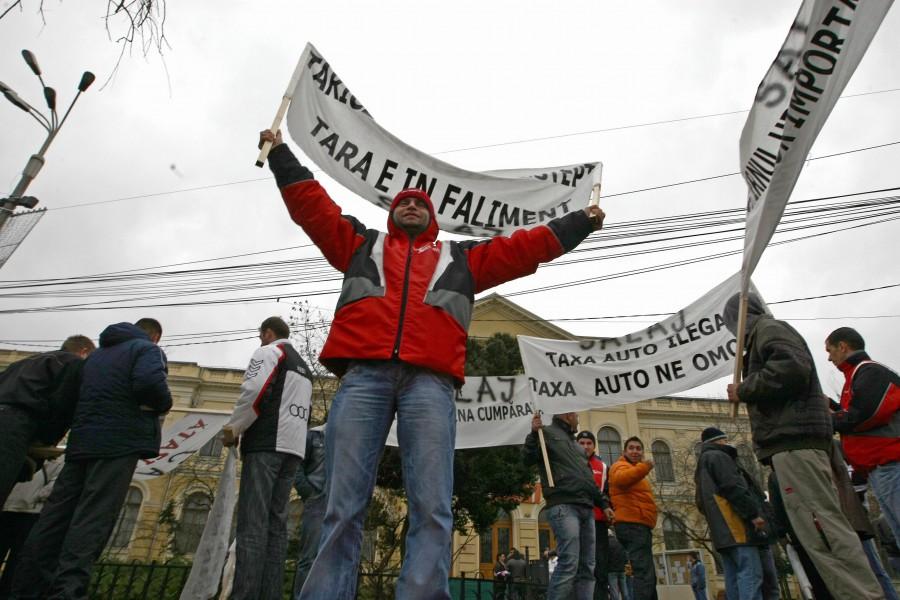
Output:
x,y
10,7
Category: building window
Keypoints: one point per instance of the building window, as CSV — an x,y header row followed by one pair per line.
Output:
x,y
128,516
494,541
609,445
212,448
367,550
295,514
662,457
674,534
193,520
545,533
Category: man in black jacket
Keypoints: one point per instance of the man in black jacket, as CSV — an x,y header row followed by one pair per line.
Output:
x,y
35,392
732,503
570,504
122,396
792,432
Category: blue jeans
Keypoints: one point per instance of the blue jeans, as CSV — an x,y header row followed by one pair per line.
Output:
x,y
573,526
371,393
880,574
743,572
618,587
310,532
770,589
266,481
885,482
637,539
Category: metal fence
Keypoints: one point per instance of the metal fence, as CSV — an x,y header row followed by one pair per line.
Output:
x,y
164,581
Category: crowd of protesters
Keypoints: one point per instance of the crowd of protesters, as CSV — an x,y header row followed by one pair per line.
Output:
x,y
815,504
112,400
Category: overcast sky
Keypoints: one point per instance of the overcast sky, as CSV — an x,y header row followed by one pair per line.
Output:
x,y
440,76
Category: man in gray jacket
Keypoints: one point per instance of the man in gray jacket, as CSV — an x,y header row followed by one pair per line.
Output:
x,y
792,432
570,504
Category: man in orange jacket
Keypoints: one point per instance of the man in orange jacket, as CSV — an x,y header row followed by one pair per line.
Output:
x,y
632,497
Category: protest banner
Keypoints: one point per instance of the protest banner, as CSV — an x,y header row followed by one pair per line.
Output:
x,y
824,45
490,411
688,349
180,441
823,48
338,134
209,558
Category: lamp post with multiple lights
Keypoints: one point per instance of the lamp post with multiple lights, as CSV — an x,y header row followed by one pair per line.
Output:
x,y
52,125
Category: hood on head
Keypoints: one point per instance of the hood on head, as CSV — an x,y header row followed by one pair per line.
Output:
x,y
121,332
755,310
431,232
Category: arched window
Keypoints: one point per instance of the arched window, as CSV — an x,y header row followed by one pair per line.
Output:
x,y
609,445
546,539
662,457
193,520
128,517
493,541
674,534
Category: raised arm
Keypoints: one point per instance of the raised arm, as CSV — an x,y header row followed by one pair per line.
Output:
x,y
503,259
337,235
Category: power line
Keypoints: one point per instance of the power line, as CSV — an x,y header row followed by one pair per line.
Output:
x,y
495,145
324,323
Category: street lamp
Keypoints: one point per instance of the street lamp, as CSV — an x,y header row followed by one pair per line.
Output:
x,y
52,125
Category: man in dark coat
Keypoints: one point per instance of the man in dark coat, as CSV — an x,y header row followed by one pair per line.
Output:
x,y
732,503
792,432
570,504
122,396
36,404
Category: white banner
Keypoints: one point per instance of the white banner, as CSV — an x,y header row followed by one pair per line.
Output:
x,y
179,442
336,132
686,350
825,44
490,411
209,559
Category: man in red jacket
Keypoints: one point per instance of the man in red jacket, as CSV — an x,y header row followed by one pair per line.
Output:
x,y
868,419
398,342
587,441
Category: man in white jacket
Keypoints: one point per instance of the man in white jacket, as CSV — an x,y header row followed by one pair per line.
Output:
x,y
269,420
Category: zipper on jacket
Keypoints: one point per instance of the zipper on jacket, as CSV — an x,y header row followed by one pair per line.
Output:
x,y
409,253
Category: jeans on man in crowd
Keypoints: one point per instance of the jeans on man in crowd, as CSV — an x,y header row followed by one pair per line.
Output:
x,y
266,481
880,574
17,429
73,528
573,526
743,572
637,540
885,483
618,586
770,589
601,560
358,423
310,532
14,530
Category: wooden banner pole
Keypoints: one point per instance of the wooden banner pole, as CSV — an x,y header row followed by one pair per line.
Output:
x,y
739,356
282,108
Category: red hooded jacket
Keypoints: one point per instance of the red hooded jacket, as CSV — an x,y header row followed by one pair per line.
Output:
x,y
409,299
869,420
